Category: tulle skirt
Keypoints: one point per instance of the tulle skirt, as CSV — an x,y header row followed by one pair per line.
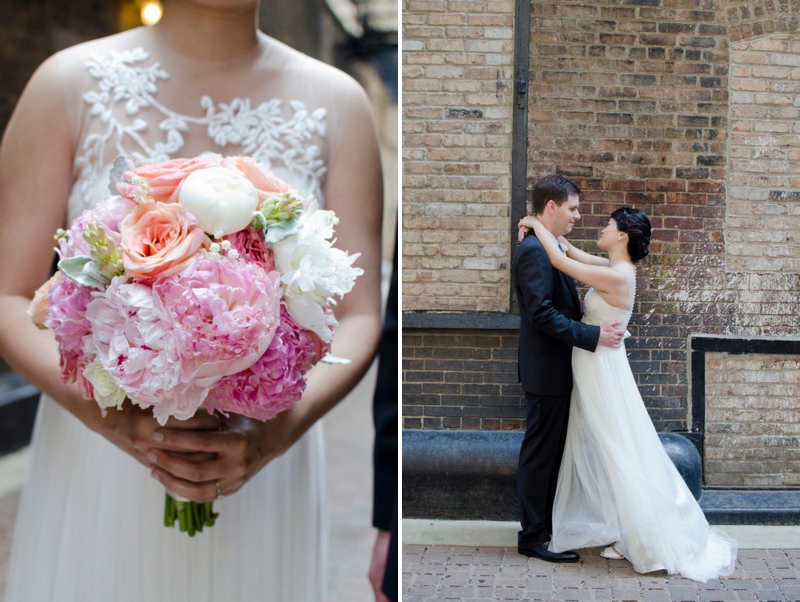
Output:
x,y
90,528
618,485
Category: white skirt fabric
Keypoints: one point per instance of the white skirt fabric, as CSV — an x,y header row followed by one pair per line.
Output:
x,y
617,484
90,528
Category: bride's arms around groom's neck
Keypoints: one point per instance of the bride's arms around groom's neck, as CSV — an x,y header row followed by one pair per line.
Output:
x,y
601,277
577,254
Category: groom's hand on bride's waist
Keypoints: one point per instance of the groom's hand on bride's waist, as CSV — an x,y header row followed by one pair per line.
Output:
x,y
610,335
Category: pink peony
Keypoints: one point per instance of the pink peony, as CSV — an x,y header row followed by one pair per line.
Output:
x,y
164,178
66,316
109,213
274,382
225,313
159,240
133,337
251,247
73,243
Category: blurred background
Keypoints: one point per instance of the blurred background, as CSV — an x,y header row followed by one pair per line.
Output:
x,y
357,36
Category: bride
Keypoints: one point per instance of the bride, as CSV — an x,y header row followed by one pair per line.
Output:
x,y
617,485
90,521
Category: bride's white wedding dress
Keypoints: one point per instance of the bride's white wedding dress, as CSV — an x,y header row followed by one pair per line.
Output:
x,y
90,521
617,484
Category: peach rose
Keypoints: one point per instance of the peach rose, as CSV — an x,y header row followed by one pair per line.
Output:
x,y
267,185
164,178
159,240
37,309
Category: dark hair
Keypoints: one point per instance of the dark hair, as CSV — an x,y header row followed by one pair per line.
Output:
x,y
636,224
552,188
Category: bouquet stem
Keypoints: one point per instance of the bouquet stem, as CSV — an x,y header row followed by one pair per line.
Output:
x,y
191,516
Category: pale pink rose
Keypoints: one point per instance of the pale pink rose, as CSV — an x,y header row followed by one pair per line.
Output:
x,y
159,240
251,247
37,309
266,183
164,178
225,313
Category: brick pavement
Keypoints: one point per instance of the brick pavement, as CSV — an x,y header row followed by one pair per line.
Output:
x,y
493,573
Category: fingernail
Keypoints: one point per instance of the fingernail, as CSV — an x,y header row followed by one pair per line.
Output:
x,y
158,436
155,476
152,456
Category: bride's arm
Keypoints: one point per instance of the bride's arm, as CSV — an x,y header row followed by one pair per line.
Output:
x,y
526,224
602,278
36,157
579,255
355,192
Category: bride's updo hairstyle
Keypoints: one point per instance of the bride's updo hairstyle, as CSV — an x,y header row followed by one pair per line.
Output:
x,y
636,224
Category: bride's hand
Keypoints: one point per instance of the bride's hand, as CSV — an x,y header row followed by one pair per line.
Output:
x,y
242,446
525,225
131,429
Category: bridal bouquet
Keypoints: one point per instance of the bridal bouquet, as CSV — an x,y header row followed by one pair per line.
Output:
x,y
199,282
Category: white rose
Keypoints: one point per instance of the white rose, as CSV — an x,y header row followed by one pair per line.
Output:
x,y
106,392
222,200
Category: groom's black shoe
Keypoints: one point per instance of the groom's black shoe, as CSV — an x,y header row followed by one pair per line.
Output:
x,y
543,553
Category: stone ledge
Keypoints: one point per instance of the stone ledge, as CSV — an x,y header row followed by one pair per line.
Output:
x,y
468,321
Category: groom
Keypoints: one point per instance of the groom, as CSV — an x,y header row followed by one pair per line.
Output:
x,y
550,314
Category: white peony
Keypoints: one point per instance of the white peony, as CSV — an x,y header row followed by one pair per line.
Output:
x,y
222,200
106,392
314,272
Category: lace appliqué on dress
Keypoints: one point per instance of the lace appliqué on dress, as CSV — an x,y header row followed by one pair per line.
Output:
x,y
262,132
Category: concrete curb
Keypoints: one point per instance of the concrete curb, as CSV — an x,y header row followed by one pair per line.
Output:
x,y
504,534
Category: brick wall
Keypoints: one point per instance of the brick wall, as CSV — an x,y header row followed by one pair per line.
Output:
x,y
646,104
752,420
457,89
763,225
465,379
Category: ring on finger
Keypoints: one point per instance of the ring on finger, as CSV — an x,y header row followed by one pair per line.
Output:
x,y
219,490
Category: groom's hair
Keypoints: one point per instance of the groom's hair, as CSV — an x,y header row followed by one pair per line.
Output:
x,y
552,188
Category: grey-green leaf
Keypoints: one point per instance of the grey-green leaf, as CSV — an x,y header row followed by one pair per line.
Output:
x,y
83,270
281,230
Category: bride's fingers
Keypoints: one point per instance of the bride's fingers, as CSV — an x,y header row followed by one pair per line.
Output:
x,y
194,456
194,472
192,440
197,492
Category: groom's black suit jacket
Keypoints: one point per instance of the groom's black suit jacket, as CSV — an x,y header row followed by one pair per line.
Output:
x,y
550,313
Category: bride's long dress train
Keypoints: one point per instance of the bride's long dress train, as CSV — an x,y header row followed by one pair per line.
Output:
x,y
617,484
90,521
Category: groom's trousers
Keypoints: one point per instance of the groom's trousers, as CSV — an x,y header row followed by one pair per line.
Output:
x,y
539,463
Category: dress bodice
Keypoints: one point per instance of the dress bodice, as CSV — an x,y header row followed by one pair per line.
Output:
x,y
597,310
127,95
